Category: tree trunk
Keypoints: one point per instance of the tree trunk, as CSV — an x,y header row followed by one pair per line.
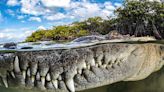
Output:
x,y
155,32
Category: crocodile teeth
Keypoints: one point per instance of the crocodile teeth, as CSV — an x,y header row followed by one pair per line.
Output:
x,y
12,74
5,82
38,76
99,63
84,65
24,74
96,65
79,71
70,85
28,72
93,62
48,78
88,67
32,79
43,80
55,83
59,78
104,66
16,65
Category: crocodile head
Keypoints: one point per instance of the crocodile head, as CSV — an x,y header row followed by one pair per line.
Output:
x,y
81,67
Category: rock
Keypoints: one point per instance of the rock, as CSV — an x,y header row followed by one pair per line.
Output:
x,y
89,38
11,45
113,35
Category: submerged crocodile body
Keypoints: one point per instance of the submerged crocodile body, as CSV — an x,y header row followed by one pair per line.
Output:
x,y
80,67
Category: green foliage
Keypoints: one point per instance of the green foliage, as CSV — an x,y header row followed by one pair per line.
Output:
x,y
96,25
137,18
57,33
36,36
69,32
82,33
141,18
30,39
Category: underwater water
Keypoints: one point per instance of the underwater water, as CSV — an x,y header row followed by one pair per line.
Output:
x,y
153,83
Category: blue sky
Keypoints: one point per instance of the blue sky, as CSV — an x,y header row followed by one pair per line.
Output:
x,y
19,18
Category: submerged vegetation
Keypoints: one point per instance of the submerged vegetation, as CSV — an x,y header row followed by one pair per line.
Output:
x,y
138,18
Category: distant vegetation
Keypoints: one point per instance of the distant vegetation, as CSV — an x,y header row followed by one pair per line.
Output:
x,y
141,18
95,25
57,33
138,18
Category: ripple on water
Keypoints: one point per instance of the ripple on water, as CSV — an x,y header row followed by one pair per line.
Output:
x,y
65,45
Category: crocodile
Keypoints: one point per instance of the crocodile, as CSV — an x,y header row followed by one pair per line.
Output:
x,y
81,67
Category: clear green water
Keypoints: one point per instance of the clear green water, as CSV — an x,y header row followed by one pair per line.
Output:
x,y
154,83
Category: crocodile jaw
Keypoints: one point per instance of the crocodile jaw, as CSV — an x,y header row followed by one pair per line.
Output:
x,y
80,68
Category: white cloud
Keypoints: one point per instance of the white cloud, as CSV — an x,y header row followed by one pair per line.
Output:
x,y
59,23
56,3
109,6
73,9
105,13
33,7
36,10
23,21
85,9
11,34
12,2
38,19
118,4
57,16
20,17
41,28
10,12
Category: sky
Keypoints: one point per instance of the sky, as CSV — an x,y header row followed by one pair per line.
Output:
x,y
19,18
